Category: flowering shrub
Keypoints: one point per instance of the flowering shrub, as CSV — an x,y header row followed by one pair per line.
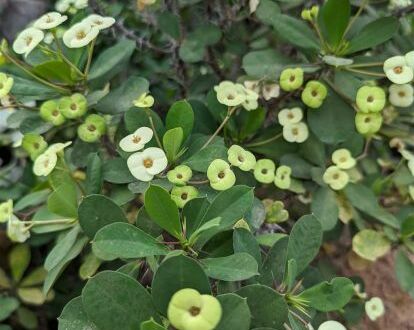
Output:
x,y
186,165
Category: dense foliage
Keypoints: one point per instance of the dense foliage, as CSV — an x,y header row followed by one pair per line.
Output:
x,y
187,164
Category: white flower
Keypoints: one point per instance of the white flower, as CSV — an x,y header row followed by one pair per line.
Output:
x,y
374,308
58,147
98,21
80,35
230,94
137,140
251,100
290,116
48,39
16,230
70,5
50,20
6,210
27,40
401,95
397,70
331,325
45,163
335,177
253,4
295,132
270,91
252,85
144,165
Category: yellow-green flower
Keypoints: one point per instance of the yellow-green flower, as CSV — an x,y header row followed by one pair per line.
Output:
x,y
370,99
6,84
241,158
181,195
291,79
314,94
336,178
220,175
34,144
264,170
343,159
144,101
230,94
368,123
190,310
180,175
282,177
275,211
6,210
374,308
74,106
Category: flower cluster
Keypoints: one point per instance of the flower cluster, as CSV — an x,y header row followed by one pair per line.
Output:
x,y
370,101
294,129
268,90
234,95
70,6
335,175
143,165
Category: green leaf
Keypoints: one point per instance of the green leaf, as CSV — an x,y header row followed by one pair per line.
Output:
x,y
325,208
251,121
62,248
245,241
7,306
114,300
328,297
407,227
264,63
89,266
370,244
32,90
97,211
94,174
364,200
172,141
181,115
266,11
116,171
268,308
19,260
169,23
273,269
74,317
374,34
121,99
333,19
54,71
333,122
54,273
122,240
64,200
236,313
295,31
404,270
32,199
163,210
235,267
174,274
112,60
138,117
304,241
151,325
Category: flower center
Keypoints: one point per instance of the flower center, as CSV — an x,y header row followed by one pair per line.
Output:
x,y
221,175
136,139
231,97
49,19
264,171
240,158
80,35
1,85
290,115
73,106
179,176
184,196
148,163
97,22
367,120
55,113
370,99
398,69
292,78
314,93
336,176
194,311
401,94
28,40
36,145
91,128
295,131
342,159
46,163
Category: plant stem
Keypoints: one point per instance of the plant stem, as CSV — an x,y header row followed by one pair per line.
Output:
x,y
88,63
364,65
260,143
368,73
230,111
148,112
50,222
354,18
63,57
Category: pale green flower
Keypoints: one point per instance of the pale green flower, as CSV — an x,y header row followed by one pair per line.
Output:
x,y
374,308
220,175
241,158
297,133
290,116
6,84
398,71
314,94
368,123
370,244
190,310
275,211
331,325
336,178
401,95
291,79
49,112
264,170
182,195
180,175
230,94
98,21
343,159
251,102
50,21
16,230
34,144
74,106
282,177
6,210
27,40
80,35
270,91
